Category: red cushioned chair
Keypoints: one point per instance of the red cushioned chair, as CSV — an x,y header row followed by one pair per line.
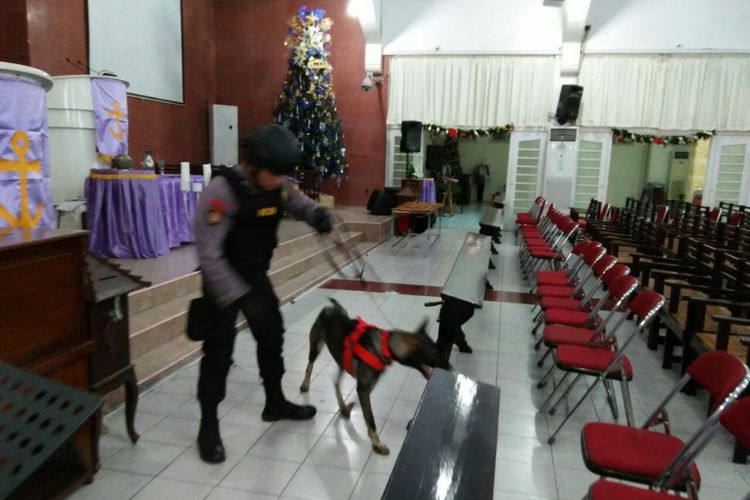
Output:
x,y
619,289
606,362
539,255
735,419
659,459
569,267
571,290
621,286
544,233
602,266
590,257
534,213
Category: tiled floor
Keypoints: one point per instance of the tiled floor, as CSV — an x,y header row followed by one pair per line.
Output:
x,y
330,457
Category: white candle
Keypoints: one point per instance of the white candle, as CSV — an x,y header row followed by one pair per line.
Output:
x,y
185,176
206,173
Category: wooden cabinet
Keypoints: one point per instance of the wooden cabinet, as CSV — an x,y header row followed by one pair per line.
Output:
x,y
43,330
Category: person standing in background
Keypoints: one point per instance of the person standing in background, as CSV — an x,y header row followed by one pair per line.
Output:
x,y
481,174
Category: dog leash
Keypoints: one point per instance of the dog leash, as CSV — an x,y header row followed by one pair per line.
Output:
x,y
354,256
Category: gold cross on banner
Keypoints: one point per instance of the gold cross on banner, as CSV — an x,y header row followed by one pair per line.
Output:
x,y
19,143
117,113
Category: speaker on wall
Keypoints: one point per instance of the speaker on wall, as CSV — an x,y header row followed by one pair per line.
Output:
x,y
411,137
570,101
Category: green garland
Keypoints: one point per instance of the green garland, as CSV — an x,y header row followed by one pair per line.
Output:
x,y
496,133
623,136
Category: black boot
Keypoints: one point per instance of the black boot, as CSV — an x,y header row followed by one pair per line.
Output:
x,y
460,342
278,408
210,447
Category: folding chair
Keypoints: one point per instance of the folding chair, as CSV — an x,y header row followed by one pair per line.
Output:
x,y
571,290
605,364
549,252
735,419
556,334
658,459
569,267
602,266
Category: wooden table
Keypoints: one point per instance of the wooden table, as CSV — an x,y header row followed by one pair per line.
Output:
x,y
420,209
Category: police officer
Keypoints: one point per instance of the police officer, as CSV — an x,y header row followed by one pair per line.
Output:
x,y
235,231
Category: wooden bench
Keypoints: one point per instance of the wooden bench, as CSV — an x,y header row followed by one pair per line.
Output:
x,y
449,451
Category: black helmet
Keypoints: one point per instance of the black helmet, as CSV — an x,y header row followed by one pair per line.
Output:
x,y
271,147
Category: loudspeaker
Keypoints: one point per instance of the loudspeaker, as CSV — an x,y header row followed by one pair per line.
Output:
x,y
434,159
570,101
411,137
381,202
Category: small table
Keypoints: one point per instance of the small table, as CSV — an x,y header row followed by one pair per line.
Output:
x,y
420,209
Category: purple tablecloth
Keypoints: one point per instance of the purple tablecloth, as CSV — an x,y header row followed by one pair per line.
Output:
x,y
427,190
178,208
137,214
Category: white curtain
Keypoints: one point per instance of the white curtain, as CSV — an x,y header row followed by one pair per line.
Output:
x,y
669,92
471,91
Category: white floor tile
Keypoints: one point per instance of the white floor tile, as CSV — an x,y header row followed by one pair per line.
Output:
x,y
173,430
517,477
339,453
260,475
144,457
282,445
161,488
111,485
220,493
190,467
370,486
316,482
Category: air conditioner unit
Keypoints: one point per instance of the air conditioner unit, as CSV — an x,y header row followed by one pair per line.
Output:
x,y
563,134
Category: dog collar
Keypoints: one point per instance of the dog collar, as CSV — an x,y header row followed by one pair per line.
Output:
x,y
352,348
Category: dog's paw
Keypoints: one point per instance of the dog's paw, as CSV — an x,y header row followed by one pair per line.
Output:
x,y
346,411
380,449
304,387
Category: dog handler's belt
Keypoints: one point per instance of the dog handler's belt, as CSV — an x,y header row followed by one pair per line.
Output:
x,y
352,348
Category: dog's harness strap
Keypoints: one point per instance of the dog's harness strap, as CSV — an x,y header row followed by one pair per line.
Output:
x,y
352,348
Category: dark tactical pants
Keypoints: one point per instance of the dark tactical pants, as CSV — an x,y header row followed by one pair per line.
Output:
x,y
261,309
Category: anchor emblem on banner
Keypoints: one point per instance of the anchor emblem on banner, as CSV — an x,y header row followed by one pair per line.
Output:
x,y
19,143
117,113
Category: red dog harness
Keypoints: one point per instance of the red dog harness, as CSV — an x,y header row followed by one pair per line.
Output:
x,y
352,348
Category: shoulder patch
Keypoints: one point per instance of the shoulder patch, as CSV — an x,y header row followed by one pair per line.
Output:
x,y
217,210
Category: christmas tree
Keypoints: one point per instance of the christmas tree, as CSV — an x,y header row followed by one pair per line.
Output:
x,y
306,105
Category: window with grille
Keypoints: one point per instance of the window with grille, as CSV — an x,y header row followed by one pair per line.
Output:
x,y
587,172
731,169
527,174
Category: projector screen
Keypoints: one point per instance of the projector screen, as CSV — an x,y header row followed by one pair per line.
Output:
x,y
141,42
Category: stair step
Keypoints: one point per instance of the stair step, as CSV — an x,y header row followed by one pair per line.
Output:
x,y
162,361
148,298
313,277
286,268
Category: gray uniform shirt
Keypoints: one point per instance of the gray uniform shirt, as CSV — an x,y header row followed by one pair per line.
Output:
x,y
220,279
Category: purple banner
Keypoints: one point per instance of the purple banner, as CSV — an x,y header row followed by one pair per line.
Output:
x,y
25,191
110,116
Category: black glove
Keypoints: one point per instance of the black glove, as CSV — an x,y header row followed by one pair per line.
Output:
x,y
321,221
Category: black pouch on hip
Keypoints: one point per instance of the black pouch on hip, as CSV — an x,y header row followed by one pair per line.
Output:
x,y
201,320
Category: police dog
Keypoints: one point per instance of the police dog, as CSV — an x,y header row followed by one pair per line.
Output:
x,y
334,327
